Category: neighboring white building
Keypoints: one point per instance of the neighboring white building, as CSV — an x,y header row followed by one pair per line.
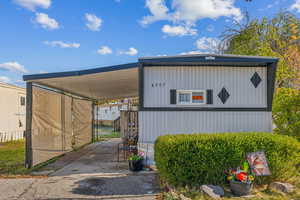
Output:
x,y
109,112
12,111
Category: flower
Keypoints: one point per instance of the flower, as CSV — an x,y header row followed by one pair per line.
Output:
x,y
251,178
141,153
229,178
242,176
139,156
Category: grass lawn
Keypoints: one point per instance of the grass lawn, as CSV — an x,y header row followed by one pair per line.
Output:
x,y
12,155
105,132
111,135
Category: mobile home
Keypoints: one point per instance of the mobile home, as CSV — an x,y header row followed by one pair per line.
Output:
x,y
12,112
202,93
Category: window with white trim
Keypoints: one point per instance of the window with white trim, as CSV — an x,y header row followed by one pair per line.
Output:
x,y
191,97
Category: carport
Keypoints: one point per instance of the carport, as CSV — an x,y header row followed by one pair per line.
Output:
x,y
60,107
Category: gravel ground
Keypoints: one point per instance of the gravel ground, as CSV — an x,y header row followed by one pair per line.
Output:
x,y
90,173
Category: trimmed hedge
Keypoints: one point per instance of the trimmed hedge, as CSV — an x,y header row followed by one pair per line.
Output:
x,y
196,159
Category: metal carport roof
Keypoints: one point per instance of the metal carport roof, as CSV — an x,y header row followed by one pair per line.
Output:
x,y
113,82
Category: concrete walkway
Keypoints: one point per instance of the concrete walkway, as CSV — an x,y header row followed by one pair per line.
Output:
x,y
91,173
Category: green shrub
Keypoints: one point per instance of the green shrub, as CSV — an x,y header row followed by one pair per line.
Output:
x,y
202,158
286,112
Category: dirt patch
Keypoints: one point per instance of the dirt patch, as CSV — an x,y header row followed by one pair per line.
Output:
x,y
90,186
133,184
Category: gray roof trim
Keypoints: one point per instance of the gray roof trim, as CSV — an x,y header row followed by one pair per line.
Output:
x,y
208,58
80,72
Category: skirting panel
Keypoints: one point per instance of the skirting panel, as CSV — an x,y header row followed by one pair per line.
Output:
x,y
155,123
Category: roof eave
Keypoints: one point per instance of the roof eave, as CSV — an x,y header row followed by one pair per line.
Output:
x,y
209,58
33,77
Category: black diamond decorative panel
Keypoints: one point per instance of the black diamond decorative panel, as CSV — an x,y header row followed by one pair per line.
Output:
x,y
255,79
223,95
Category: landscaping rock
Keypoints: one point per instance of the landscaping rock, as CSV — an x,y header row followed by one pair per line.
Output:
x,y
174,194
282,187
213,191
182,197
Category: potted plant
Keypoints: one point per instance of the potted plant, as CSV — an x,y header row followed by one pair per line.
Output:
x,y
136,161
241,180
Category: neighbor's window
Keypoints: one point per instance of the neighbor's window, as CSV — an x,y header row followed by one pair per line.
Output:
x,y
22,101
191,97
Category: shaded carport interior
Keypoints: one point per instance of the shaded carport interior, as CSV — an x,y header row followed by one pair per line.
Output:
x,y
60,115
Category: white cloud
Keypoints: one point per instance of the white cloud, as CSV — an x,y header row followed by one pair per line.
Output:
x,y
62,44
131,51
296,6
46,22
104,50
13,67
178,30
208,44
190,11
158,9
192,52
33,4
5,79
20,83
93,22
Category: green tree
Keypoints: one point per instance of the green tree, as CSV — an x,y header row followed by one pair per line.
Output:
x,y
277,37
286,112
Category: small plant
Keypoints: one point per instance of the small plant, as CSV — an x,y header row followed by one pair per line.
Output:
x,y
241,180
139,156
136,161
241,174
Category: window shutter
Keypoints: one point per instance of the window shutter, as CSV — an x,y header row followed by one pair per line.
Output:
x,y
209,96
172,96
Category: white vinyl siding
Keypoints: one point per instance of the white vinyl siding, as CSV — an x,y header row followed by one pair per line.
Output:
x,y
155,123
158,81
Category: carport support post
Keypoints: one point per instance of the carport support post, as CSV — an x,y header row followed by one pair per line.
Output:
x,y
28,131
93,122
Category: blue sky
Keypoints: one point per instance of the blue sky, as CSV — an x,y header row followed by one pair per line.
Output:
x,y
39,36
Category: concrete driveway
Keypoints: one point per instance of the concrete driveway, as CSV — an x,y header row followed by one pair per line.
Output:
x,y
90,173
